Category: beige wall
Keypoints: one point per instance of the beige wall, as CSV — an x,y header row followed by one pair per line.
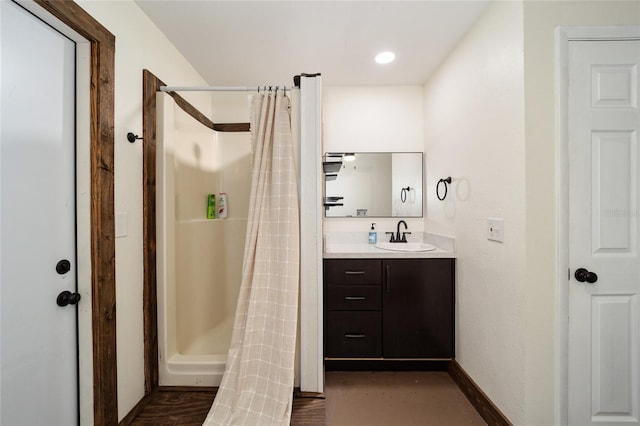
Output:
x,y
541,349
474,132
139,45
372,119
505,161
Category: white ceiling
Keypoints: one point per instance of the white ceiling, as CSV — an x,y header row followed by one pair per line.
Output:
x,y
248,43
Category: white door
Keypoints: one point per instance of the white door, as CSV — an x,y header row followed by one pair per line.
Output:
x,y
38,338
604,210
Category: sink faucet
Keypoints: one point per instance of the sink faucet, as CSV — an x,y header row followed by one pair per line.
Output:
x,y
403,238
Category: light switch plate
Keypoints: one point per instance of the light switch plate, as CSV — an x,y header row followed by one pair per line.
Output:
x,y
495,230
121,224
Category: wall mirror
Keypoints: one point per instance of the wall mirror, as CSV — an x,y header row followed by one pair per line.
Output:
x,y
373,184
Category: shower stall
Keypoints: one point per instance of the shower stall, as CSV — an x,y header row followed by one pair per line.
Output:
x,y
199,260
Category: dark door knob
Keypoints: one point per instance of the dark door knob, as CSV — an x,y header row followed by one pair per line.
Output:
x,y
63,266
67,298
583,275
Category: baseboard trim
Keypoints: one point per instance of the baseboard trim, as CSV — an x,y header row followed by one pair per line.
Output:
x,y
481,402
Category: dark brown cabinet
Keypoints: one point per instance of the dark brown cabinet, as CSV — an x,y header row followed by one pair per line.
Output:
x,y
418,309
352,300
389,308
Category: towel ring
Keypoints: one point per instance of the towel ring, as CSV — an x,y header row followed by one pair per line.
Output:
x,y
131,137
403,193
445,182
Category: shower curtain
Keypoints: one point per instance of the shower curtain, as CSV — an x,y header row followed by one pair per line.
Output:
x,y
257,386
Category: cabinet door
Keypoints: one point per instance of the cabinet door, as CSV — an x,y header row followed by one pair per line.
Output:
x,y
417,301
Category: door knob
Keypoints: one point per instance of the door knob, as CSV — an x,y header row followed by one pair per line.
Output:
x,y
583,275
67,298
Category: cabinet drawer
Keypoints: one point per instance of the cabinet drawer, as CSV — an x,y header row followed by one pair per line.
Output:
x,y
353,334
352,271
353,297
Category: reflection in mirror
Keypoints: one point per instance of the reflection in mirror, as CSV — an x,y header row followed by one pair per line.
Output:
x,y
373,184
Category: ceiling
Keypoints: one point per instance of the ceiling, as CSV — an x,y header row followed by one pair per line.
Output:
x,y
249,43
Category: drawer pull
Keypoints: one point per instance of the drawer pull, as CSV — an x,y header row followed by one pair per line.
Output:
x,y
355,335
355,298
354,272
387,284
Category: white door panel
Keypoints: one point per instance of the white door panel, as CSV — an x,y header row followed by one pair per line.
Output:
x,y
604,121
38,344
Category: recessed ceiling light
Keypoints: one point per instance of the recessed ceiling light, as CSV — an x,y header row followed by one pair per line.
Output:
x,y
385,57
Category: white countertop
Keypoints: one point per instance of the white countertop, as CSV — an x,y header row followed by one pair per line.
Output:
x,y
370,251
353,245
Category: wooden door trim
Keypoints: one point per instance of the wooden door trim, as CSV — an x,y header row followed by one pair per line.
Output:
x,y
151,85
103,285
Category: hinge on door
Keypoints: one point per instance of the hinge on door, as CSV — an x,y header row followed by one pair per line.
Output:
x,y
568,274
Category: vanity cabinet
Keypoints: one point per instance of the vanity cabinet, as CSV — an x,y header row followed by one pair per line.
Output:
x,y
389,308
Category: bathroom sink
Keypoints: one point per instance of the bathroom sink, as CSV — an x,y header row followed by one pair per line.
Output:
x,y
410,247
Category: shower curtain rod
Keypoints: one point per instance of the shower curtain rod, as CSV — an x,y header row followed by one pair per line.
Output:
x,y
221,88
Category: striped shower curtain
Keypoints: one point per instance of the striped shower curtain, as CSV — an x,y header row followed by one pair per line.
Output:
x,y
257,385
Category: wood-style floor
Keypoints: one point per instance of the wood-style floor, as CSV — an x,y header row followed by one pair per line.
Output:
x,y
180,407
175,407
379,398
396,398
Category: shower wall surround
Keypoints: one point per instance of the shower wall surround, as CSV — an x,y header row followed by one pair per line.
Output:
x,y
200,259
208,252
